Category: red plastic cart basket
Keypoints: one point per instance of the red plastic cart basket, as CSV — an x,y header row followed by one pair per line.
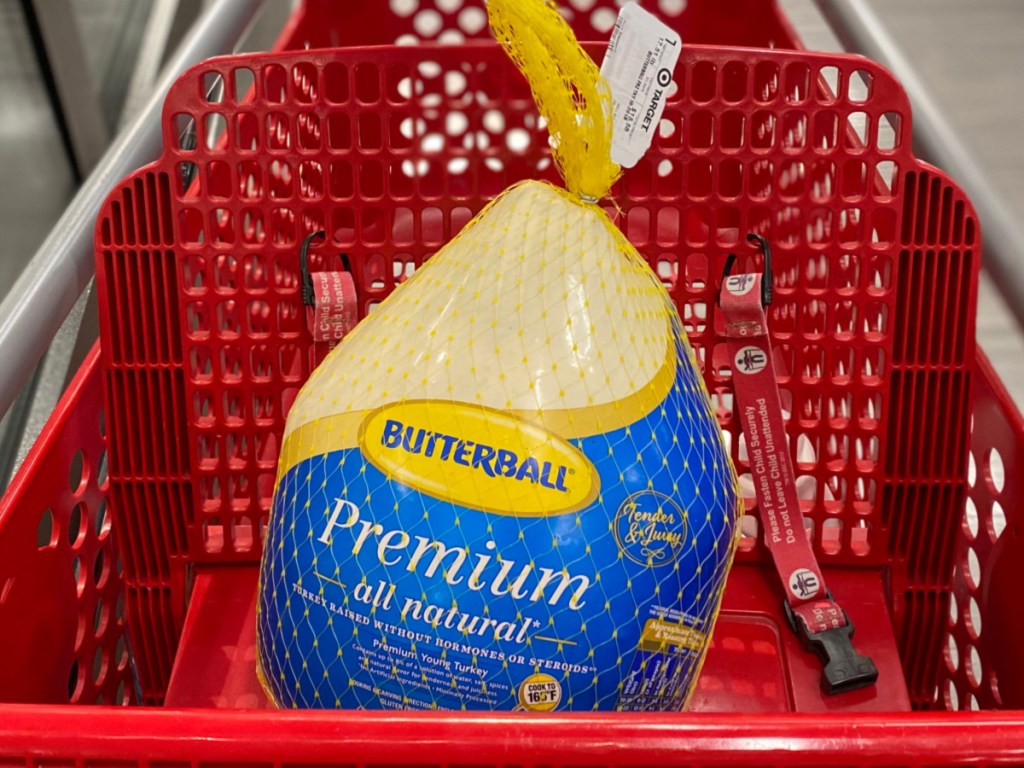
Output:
x,y
391,150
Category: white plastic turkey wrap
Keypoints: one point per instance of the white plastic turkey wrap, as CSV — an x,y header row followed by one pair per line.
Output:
x,y
505,489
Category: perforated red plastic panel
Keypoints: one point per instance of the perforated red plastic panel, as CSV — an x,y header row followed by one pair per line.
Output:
x,y
62,593
329,24
981,668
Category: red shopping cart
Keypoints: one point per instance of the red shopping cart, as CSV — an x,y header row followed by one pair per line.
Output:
x,y
149,573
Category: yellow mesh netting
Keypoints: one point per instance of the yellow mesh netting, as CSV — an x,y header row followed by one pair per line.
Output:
x,y
568,88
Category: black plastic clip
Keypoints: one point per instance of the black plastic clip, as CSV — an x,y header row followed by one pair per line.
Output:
x,y
766,279
845,668
308,296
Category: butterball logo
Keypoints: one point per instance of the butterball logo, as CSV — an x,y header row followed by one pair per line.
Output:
x,y
478,457
650,528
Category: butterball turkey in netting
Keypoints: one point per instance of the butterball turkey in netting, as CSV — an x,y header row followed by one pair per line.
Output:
x,y
506,488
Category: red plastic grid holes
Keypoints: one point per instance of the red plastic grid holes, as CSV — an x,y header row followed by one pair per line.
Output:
x,y
62,598
981,667
320,24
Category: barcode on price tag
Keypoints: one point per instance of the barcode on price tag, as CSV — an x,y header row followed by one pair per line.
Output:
x,y
639,68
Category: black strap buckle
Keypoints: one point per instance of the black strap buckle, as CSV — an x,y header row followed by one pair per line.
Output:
x,y
845,668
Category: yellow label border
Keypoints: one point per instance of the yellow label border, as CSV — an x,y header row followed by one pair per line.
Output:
x,y
341,431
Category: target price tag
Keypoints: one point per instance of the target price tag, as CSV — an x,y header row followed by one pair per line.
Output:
x,y
639,67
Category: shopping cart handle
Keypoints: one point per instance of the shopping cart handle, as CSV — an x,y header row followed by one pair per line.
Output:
x,y
845,668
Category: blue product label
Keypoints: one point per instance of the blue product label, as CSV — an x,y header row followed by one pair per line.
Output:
x,y
465,558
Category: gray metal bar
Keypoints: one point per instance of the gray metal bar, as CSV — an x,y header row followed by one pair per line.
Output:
x,y
39,301
157,43
30,412
935,140
79,101
12,426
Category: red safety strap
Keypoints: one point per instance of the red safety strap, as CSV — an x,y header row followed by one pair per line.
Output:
x,y
332,309
334,312
813,613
